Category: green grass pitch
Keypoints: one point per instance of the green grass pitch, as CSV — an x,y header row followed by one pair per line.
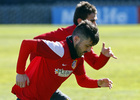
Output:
x,y
124,41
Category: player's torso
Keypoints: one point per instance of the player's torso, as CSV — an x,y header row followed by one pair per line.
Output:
x,y
61,69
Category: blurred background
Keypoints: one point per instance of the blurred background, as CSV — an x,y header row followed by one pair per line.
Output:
x,y
61,11
118,22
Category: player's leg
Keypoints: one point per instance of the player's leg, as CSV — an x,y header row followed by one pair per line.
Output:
x,y
58,95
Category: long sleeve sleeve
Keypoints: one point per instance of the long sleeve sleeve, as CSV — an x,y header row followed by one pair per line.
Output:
x,y
85,81
82,79
26,48
95,61
57,35
43,48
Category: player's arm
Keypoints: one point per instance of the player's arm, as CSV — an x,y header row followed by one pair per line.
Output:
x,y
96,61
84,81
42,48
81,77
57,35
47,49
53,35
27,46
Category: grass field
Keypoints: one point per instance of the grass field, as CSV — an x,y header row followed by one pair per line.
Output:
x,y
124,72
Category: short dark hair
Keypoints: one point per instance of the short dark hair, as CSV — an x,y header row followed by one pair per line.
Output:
x,y
85,30
83,9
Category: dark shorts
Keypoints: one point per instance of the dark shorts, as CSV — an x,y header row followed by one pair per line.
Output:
x,y
58,95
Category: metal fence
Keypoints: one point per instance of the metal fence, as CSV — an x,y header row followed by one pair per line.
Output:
x,y
25,14
39,11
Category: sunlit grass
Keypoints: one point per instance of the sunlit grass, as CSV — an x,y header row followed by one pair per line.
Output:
x,y
124,41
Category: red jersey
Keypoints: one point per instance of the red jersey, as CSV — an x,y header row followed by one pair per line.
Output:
x,y
54,63
60,34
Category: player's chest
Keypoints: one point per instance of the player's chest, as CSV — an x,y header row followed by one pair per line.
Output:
x,y
65,67
66,63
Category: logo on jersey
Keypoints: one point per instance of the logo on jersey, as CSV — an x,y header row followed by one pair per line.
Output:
x,y
64,64
73,65
62,73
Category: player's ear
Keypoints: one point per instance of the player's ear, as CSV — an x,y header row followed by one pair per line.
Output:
x,y
79,20
76,39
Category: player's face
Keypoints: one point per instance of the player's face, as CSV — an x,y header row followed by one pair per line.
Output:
x,y
83,46
92,17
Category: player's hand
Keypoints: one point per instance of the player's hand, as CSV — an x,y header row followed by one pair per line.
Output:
x,y
21,80
107,52
105,82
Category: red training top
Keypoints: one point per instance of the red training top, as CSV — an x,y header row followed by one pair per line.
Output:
x,y
60,34
48,72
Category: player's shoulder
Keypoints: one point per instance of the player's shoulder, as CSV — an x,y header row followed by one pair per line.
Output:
x,y
71,27
57,47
